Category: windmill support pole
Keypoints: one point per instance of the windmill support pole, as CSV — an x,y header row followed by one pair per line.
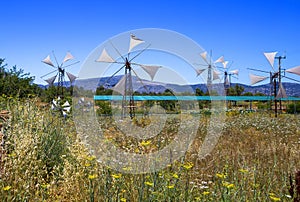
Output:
x,y
275,99
279,75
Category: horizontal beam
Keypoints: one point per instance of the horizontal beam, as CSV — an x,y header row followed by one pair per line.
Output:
x,y
192,98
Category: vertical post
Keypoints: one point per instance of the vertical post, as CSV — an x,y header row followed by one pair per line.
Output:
x,y
275,99
279,75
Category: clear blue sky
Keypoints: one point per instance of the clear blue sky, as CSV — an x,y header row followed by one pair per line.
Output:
x,y
239,30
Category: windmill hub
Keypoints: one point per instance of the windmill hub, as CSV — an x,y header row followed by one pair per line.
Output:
x,y
127,64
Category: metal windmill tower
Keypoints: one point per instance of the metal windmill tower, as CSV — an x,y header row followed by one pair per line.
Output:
x,y
275,77
59,72
210,65
125,85
228,74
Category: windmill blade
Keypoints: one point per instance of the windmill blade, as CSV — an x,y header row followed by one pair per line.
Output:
x,y
134,41
291,78
67,109
220,60
281,92
71,64
105,57
114,74
141,81
66,104
235,72
48,61
48,73
258,70
225,64
71,77
271,57
255,78
120,86
199,71
204,56
150,69
68,57
51,80
216,75
139,53
294,70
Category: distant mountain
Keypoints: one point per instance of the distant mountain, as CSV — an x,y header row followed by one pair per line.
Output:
x,y
292,89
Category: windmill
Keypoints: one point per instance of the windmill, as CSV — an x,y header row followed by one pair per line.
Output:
x,y
59,72
125,86
275,77
212,73
63,109
228,74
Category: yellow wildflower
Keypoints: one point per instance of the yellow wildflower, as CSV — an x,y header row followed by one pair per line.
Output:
x,y
171,186
205,193
175,176
274,198
221,175
149,183
91,177
243,170
117,176
6,188
145,143
90,158
123,199
188,165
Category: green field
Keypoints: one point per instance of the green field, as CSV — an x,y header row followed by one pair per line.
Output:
x,y
43,159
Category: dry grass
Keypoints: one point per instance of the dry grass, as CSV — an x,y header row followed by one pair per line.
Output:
x,y
44,160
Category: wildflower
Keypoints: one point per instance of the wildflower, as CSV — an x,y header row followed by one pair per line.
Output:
x,y
116,176
123,199
87,165
6,188
274,198
228,185
221,175
171,186
149,183
127,168
145,143
91,177
45,186
243,170
90,158
205,193
188,165
175,176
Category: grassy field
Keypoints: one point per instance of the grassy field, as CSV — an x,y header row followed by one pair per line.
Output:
x,y
43,159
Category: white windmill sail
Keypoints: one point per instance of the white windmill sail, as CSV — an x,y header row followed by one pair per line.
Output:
x,y
199,71
134,41
220,60
216,75
281,92
294,70
255,79
104,57
68,57
66,104
271,57
225,63
236,72
71,77
204,56
51,80
120,86
48,61
150,69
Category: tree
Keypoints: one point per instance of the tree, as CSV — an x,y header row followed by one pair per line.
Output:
x,y
15,83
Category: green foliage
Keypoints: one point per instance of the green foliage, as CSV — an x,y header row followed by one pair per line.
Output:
x,y
15,83
293,108
235,90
